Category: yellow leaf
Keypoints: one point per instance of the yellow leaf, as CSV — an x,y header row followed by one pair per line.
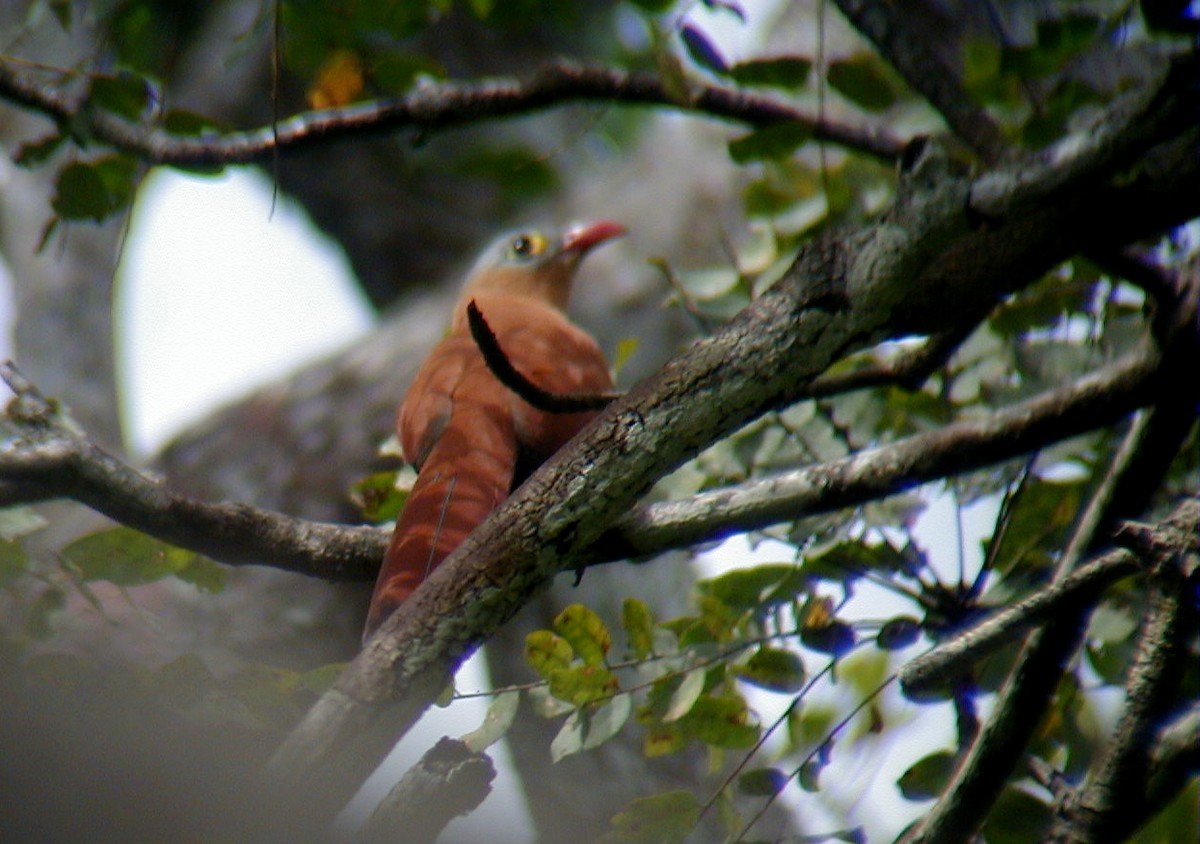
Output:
x,y
339,80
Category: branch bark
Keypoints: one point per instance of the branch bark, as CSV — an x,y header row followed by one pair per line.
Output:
x,y
434,107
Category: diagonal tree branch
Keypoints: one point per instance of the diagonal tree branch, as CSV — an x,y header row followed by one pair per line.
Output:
x,y
896,32
432,107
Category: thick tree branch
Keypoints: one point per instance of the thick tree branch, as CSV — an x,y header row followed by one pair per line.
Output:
x,y
896,33
927,266
49,460
1110,805
1093,401
432,107
450,780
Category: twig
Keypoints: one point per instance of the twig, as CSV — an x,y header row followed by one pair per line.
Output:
x,y
436,106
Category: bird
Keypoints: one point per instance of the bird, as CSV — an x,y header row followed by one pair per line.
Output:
x,y
471,439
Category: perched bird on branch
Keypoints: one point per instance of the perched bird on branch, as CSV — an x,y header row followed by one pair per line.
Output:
x,y
471,438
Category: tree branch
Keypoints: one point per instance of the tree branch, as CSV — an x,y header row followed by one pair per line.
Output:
x,y
942,664
436,106
894,31
449,781
50,460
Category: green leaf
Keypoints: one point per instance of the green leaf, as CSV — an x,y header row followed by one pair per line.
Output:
x,y
499,717
758,587
80,194
13,562
1041,515
639,627
654,7
585,632
36,152
762,782
125,557
928,776
1017,817
722,722
378,498
625,350
606,720
702,50
809,775
662,819
899,632
686,694
772,142
125,94
19,521
94,191
864,81
545,652
204,574
788,72
583,684
773,669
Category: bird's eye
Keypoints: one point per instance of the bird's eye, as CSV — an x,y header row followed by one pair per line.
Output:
x,y
527,246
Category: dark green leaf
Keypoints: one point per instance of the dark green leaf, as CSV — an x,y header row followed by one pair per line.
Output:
x,y
863,80
779,140
653,6
187,123
702,50
125,94
80,194
788,72
898,633
809,775
757,587
834,638
774,670
722,722
125,557
37,152
662,819
1017,817
928,776
762,782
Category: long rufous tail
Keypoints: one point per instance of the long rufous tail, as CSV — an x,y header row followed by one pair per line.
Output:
x,y
465,476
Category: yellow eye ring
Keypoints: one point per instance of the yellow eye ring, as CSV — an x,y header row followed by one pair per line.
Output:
x,y
527,246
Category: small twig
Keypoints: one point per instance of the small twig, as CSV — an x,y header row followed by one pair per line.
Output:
x,y
502,367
